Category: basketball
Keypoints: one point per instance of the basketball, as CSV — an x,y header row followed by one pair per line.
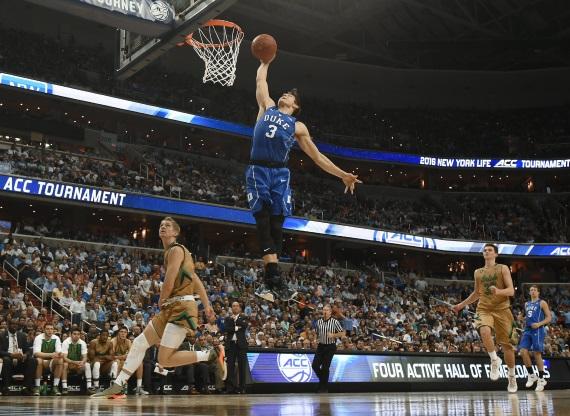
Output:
x,y
264,47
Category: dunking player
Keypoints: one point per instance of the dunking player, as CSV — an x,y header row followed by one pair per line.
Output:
x,y
178,313
268,178
537,314
493,287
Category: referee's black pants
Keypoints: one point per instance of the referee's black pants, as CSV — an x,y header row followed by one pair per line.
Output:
x,y
322,363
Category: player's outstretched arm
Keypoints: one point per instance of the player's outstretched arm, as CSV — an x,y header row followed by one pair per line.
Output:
x,y
264,101
473,297
308,146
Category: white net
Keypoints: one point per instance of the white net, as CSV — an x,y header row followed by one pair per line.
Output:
x,y
218,46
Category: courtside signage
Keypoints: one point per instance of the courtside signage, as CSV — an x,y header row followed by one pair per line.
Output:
x,y
246,131
267,367
92,196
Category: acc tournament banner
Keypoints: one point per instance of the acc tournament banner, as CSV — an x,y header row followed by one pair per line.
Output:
x,y
273,367
242,130
113,198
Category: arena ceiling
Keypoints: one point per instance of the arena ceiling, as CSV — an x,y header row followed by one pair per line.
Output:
x,y
434,34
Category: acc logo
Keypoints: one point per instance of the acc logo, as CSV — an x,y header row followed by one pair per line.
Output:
x,y
506,163
561,251
296,368
160,10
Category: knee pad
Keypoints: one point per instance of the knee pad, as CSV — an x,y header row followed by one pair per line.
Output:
x,y
136,354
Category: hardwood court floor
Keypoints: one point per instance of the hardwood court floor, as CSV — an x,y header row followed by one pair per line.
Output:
x,y
524,403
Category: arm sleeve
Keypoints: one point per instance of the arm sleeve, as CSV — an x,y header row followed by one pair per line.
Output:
x,y
57,344
83,348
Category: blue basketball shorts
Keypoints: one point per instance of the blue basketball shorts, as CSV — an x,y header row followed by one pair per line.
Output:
x,y
532,340
268,187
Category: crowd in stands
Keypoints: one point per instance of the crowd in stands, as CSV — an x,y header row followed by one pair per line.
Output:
x,y
111,288
60,227
376,313
529,133
480,217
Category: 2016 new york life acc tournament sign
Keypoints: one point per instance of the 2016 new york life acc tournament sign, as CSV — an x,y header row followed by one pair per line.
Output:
x,y
16,81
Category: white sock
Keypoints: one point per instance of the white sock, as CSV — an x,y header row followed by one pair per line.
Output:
x,y
88,374
139,382
202,355
114,370
96,371
38,381
511,371
56,382
122,378
64,384
96,383
493,355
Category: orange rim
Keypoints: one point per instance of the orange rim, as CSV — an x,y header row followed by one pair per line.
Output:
x,y
189,40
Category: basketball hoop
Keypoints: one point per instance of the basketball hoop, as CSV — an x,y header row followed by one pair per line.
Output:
x,y
217,43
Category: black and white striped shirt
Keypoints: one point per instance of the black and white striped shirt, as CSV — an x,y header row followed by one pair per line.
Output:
x,y
325,327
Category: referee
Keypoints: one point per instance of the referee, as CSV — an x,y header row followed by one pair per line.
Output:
x,y
328,330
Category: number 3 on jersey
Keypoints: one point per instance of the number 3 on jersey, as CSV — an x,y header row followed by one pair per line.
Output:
x,y
271,133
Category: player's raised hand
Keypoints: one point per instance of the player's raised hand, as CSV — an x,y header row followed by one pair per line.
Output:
x,y
457,308
268,61
350,182
210,313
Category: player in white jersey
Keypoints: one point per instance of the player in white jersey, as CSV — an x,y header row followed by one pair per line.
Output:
x,y
74,351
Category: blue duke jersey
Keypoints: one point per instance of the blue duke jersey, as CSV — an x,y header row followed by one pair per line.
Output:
x,y
273,136
533,339
267,176
533,313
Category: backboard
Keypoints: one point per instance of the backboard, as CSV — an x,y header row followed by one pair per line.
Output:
x,y
135,51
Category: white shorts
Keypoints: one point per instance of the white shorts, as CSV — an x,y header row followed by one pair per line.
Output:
x,y
173,335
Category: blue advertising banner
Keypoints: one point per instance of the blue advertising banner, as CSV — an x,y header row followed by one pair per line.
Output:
x,y
112,198
247,131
